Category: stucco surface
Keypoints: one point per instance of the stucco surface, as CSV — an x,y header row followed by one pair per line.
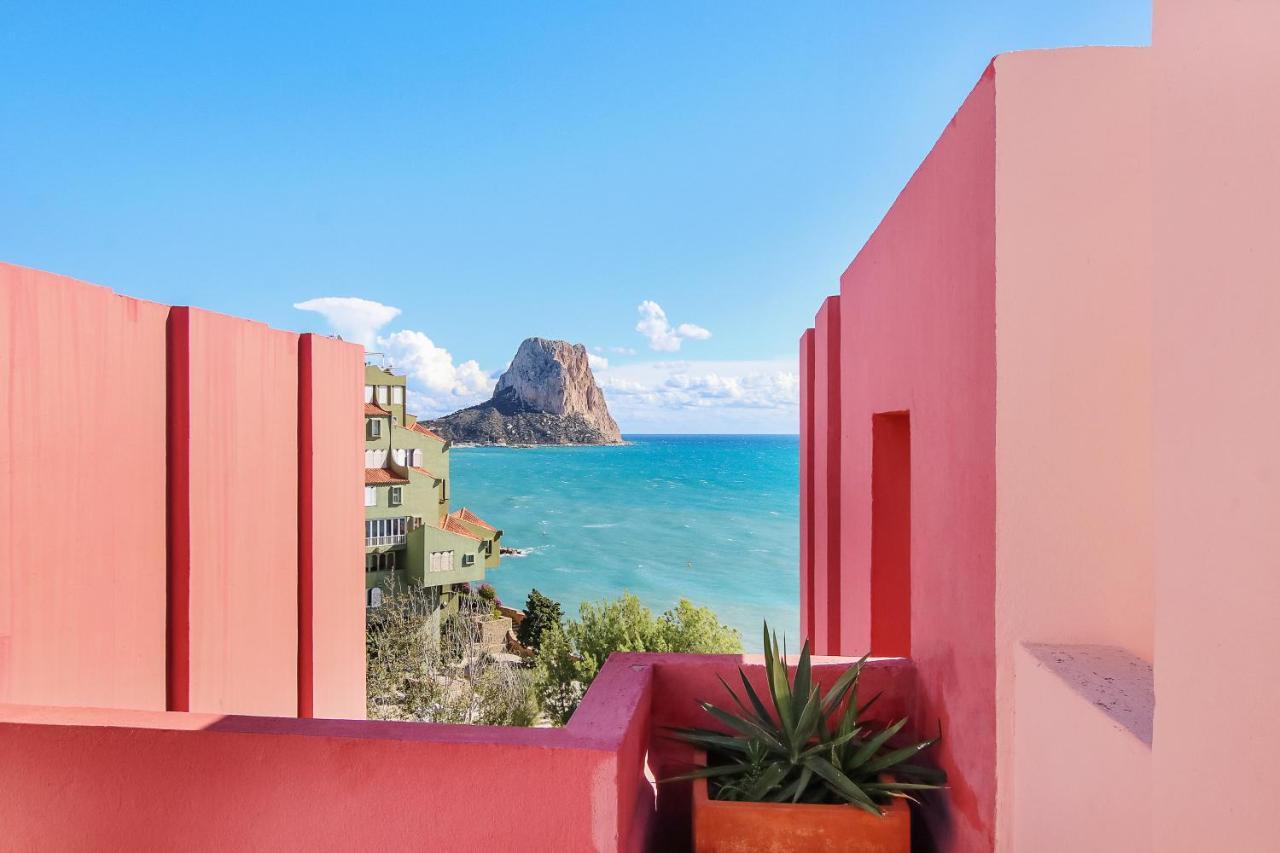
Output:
x,y
1073,366
827,445
1216,119
82,494
331,531
918,333
1082,779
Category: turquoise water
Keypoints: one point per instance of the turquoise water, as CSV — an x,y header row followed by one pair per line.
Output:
x,y
714,519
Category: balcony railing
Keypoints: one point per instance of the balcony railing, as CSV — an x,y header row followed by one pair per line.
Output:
x,y
387,531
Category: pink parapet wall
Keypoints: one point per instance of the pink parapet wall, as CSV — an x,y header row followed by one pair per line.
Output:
x,y
157,563
82,497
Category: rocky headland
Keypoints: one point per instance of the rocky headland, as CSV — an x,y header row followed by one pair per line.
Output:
x,y
547,396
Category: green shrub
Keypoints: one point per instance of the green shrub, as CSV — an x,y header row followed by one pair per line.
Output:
x,y
540,613
570,657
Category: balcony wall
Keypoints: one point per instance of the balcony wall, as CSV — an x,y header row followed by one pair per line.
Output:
x,y
154,780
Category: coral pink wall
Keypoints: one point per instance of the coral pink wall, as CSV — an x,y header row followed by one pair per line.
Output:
x,y
806,486
918,326
1073,378
1216,204
151,507
82,494
1082,782
243,520
331,667
826,482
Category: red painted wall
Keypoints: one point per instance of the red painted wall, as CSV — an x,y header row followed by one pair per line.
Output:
x,y
331,553
827,529
130,780
82,494
918,326
243,516
150,507
806,487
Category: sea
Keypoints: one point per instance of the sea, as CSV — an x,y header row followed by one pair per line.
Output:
x,y
710,518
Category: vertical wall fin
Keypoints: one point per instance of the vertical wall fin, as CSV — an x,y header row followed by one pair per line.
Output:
x,y
306,540
178,521
806,487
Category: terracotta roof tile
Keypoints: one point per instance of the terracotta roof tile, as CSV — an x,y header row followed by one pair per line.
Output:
x,y
417,427
464,514
376,411
382,477
452,525
424,471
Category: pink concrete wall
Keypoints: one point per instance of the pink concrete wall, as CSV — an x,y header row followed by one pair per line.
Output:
x,y
806,486
1081,782
243,516
129,780
918,326
1216,207
331,555
826,484
82,494
151,507
1073,380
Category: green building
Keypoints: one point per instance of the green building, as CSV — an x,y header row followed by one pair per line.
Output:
x,y
409,532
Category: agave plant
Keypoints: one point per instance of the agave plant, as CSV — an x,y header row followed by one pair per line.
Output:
x,y
809,747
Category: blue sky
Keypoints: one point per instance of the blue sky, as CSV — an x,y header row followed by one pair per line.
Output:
x,y
495,171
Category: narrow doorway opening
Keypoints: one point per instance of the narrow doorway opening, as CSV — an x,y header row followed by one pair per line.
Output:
x,y
891,534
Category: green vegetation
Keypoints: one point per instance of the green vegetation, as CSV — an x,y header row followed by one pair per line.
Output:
x,y
421,668
811,748
540,613
571,654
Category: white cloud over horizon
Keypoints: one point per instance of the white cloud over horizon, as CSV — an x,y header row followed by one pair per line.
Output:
x,y
704,396
437,385
663,337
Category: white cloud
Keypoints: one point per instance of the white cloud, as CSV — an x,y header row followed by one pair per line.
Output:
x,y
355,319
662,336
437,385
440,385
597,362
704,396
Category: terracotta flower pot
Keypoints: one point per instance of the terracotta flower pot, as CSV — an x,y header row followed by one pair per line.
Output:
x,y
720,826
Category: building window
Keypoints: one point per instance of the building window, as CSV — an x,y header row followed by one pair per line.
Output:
x,y
397,394
370,496
487,547
385,531
373,428
468,560
441,561
382,395
395,496
368,393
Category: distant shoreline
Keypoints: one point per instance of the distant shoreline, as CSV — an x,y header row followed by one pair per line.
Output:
x,y
635,435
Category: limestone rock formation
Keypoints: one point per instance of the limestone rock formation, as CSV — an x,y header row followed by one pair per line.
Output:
x,y
547,396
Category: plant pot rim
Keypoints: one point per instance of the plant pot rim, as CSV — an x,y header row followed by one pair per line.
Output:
x,y
702,797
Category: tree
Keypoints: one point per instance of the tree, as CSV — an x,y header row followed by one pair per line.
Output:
x,y
540,613
571,656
